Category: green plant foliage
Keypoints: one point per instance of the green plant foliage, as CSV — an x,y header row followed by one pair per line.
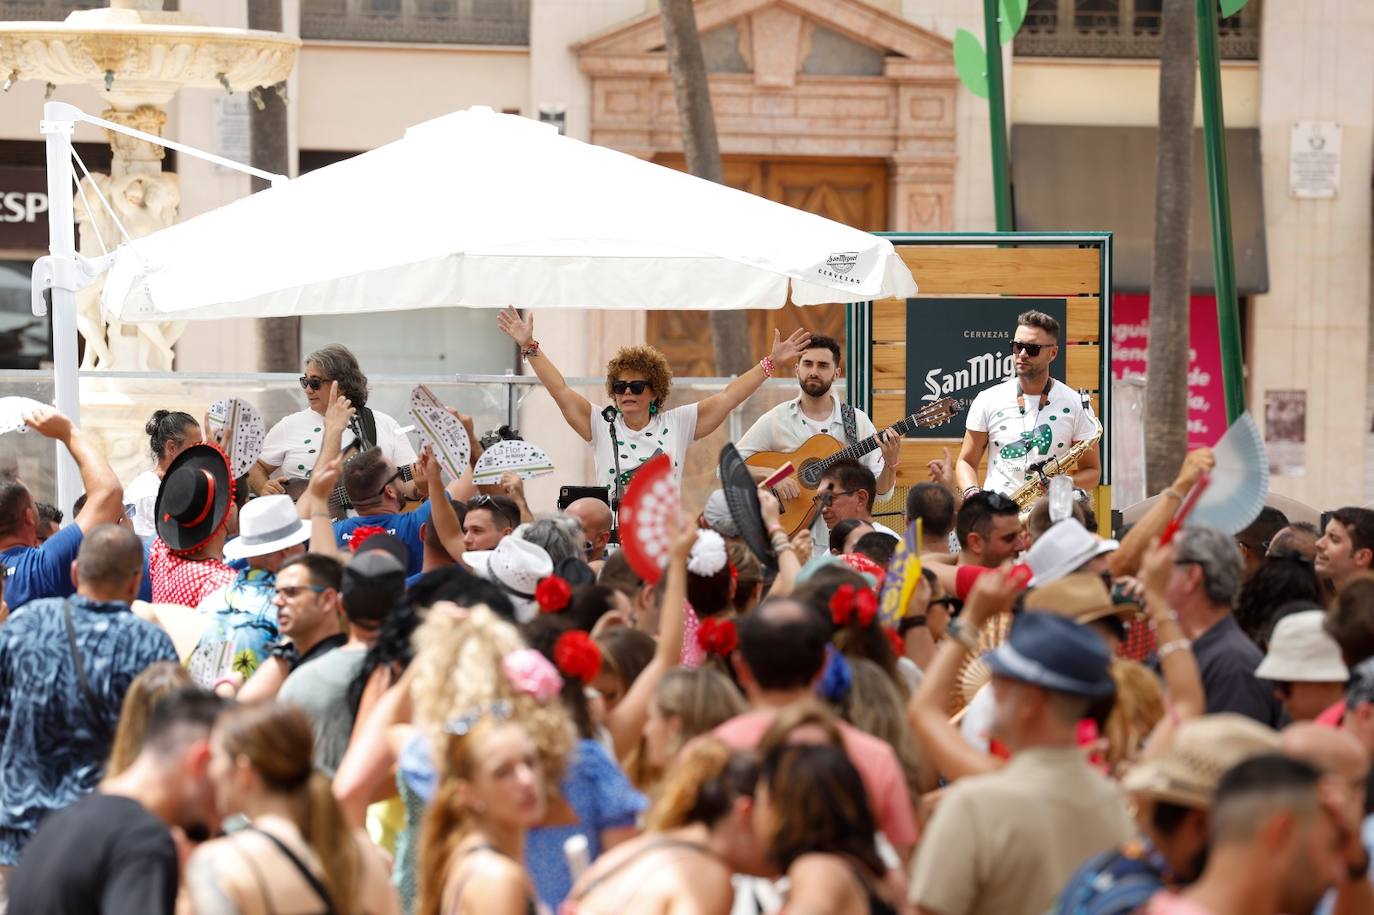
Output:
x,y
1231,7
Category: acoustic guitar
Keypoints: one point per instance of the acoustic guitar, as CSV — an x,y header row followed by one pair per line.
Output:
x,y
820,452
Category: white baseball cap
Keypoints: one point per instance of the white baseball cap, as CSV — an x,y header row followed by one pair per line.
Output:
x,y
1300,651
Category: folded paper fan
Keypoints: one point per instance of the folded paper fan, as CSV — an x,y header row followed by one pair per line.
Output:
x,y
647,511
520,457
1240,480
12,410
441,430
244,423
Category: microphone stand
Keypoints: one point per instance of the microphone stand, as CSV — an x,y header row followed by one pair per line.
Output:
x,y
609,415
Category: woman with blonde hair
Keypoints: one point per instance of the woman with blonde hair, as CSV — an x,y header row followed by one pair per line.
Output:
x,y
146,690
296,854
687,704
638,381
493,793
699,833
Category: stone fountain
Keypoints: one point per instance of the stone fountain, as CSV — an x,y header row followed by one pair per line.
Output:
x,y
137,56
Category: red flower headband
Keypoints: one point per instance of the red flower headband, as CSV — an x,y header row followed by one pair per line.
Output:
x,y
577,656
361,534
898,643
553,594
716,636
853,604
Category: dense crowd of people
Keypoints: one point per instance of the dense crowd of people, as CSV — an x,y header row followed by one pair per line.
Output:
x,y
220,694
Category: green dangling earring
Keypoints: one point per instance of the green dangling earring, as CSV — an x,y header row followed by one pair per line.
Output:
x,y
653,408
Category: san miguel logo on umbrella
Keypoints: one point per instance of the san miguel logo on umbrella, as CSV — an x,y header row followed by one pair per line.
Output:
x,y
839,264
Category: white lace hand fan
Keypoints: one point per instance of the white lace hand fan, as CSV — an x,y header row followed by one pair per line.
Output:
x,y
1240,480
241,418
12,410
440,429
520,457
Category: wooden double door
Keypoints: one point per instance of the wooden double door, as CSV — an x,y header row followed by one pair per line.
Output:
x,y
851,191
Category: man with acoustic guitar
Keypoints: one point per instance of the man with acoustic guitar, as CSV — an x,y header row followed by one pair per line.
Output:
x,y
817,411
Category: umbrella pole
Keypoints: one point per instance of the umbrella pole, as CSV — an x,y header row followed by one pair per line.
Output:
x,y
62,287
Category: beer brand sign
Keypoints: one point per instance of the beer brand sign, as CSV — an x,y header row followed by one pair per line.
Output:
x,y
957,347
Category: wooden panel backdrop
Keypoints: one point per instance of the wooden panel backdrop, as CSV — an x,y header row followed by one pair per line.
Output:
x,y
975,272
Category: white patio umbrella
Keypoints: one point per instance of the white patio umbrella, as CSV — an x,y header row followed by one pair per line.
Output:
x,y
483,209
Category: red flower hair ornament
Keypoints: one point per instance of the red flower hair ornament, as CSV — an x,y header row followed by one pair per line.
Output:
x,y
898,643
577,656
717,636
361,534
850,604
552,594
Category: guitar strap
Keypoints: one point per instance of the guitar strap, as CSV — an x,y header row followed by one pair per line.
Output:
x,y
850,419
365,429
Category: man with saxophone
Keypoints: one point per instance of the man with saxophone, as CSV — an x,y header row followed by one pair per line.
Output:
x,y
1028,420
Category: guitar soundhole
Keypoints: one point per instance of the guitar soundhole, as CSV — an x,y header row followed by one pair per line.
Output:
x,y
810,474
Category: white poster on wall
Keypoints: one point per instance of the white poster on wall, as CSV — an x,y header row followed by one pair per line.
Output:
x,y
1314,159
232,136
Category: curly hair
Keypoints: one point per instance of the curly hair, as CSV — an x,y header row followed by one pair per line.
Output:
x,y
458,667
646,361
337,363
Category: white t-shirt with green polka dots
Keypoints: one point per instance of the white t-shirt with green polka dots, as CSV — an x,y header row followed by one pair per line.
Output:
x,y
1017,440
294,443
669,432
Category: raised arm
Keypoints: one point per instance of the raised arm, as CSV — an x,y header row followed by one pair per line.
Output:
x,y
336,417
322,482
1177,663
441,513
371,756
711,411
1126,560
104,494
789,566
626,720
927,711
576,409
970,453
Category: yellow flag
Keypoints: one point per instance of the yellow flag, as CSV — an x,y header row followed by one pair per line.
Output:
x,y
903,575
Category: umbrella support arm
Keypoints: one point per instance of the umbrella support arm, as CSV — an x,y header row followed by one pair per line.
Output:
x,y
63,271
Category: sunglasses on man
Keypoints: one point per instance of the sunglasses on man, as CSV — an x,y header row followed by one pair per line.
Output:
x,y
634,387
1030,349
313,384
827,498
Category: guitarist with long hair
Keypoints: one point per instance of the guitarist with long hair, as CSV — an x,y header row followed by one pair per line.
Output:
x,y
818,411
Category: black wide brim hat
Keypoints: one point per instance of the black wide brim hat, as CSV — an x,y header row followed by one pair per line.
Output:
x,y
194,498
742,498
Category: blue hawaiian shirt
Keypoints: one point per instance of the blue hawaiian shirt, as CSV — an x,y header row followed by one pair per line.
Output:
x,y
1116,882
53,742
240,628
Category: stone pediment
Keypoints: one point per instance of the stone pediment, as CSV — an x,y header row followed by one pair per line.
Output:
x,y
772,34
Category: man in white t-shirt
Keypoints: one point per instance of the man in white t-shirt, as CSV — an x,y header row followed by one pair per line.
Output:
x,y
1028,419
817,411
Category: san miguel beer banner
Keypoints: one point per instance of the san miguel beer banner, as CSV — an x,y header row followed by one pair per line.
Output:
x,y
957,347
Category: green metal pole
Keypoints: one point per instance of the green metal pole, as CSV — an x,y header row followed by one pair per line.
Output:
x,y
997,115
1219,196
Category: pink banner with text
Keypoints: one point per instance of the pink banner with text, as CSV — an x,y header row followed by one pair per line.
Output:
x,y
1131,343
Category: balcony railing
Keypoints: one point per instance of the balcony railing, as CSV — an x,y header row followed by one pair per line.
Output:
x,y
491,22
1120,28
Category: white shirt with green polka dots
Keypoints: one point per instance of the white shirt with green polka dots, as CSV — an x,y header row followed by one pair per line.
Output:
x,y
293,444
1016,440
669,432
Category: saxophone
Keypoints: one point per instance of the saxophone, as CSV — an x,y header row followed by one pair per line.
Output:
x,y
1037,486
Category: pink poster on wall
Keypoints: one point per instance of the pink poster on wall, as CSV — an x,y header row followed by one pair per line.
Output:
x,y
1131,343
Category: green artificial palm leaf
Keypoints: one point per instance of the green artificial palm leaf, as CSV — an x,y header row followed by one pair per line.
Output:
x,y
970,62
1013,15
1231,7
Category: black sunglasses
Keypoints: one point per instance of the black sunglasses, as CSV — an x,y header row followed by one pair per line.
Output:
x,y
389,480
313,384
634,387
996,501
1030,349
827,498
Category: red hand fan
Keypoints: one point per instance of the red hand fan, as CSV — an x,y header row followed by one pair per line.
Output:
x,y
650,505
